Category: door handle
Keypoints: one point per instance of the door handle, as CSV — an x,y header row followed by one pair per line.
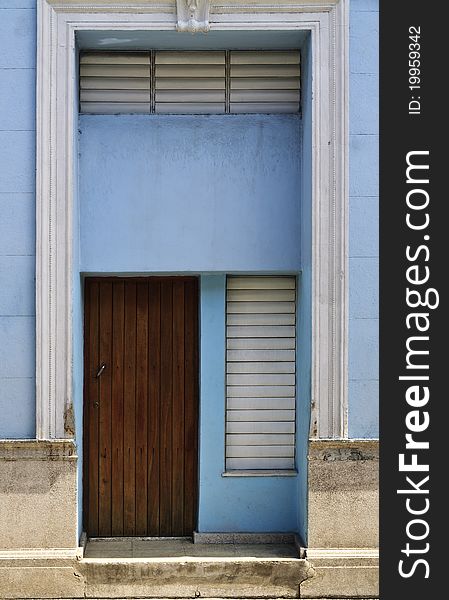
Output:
x,y
100,370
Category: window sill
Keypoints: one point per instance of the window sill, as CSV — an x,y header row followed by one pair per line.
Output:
x,y
262,473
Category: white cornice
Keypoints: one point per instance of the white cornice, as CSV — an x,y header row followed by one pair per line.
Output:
x,y
58,21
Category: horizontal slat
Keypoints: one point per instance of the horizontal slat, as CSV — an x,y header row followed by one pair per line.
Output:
x,y
264,107
260,307
259,439
260,427
265,83
245,57
115,108
251,379
264,70
261,403
185,71
261,319
115,96
193,108
256,451
261,296
115,58
265,96
260,331
265,356
187,96
261,344
261,283
115,83
261,367
190,58
260,415
260,463
115,70
190,83
261,391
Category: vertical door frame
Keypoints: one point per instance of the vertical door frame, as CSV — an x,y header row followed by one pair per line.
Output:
x,y
58,22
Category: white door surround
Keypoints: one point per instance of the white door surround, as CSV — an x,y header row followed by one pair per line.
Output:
x,y
58,21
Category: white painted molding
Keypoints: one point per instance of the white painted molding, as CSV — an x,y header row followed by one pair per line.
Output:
x,y
193,15
58,21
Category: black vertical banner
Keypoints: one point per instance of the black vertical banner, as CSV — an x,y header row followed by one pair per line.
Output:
x,y
414,356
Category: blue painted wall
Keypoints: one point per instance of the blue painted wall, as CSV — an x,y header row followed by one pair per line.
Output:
x,y
17,221
363,219
189,193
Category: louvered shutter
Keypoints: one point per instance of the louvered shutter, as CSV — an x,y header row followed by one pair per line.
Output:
x,y
170,82
115,82
264,82
260,372
190,82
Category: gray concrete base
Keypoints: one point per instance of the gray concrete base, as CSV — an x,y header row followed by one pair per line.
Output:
x,y
343,573
326,573
193,577
142,568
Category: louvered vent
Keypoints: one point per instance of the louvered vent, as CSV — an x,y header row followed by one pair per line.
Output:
x,y
264,82
260,373
197,82
115,83
190,82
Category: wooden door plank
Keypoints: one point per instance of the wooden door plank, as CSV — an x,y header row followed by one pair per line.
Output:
x,y
191,408
154,372
129,407
105,358
142,409
118,301
178,409
166,407
91,403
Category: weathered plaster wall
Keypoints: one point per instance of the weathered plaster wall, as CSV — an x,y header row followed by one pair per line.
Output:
x,y
363,219
17,208
38,494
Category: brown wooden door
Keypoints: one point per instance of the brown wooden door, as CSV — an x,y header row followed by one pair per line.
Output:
x,y
140,406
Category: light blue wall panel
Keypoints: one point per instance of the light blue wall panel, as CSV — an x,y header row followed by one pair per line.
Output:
x,y
364,38
364,421
364,165
17,38
17,412
17,354
363,351
230,503
364,226
17,218
17,99
363,218
186,193
17,4
363,104
364,293
18,224
17,285
17,158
